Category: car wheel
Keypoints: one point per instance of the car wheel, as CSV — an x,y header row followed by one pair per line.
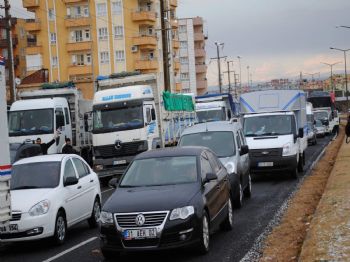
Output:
x,y
108,254
227,224
60,228
203,246
95,215
248,189
238,202
300,164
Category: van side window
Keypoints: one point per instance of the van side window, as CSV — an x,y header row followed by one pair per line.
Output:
x,y
148,115
66,112
59,118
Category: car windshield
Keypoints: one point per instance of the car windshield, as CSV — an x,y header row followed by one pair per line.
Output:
x,y
321,115
222,143
35,175
31,122
161,171
268,125
211,115
116,119
318,123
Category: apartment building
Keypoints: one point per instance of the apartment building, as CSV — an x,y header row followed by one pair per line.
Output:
x,y
78,40
18,44
193,72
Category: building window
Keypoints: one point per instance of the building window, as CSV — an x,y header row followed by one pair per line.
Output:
x,y
87,34
102,33
53,38
78,36
118,32
88,59
3,33
184,76
54,61
86,11
78,59
182,29
119,56
117,7
104,57
101,9
184,60
5,53
51,14
183,44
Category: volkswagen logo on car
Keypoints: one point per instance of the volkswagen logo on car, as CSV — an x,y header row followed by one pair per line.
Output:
x,y
140,220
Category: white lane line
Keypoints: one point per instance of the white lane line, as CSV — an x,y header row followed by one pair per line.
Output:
x,y
70,249
107,190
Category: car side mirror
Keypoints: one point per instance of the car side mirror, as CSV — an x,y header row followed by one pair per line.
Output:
x,y
210,177
113,183
244,150
301,132
70,181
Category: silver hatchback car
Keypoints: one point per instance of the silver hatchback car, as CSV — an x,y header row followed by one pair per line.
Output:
x,y
226,140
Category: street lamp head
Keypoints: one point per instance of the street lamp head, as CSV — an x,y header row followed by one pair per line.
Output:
x,y
331,48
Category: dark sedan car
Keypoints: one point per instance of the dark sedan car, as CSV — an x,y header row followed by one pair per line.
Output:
x,y
167,198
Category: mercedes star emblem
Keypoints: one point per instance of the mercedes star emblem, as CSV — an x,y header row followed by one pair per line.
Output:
x,y
118,145
140,220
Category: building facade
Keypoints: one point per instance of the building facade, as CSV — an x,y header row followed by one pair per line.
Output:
x,y
193,72
78,40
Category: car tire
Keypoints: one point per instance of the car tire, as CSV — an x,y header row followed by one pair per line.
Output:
x,y
204,242
248,189
238,202
227,224
108,254
300,164
95,215
60,228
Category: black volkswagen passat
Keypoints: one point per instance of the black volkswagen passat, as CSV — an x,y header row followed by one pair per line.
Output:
x,y
167,198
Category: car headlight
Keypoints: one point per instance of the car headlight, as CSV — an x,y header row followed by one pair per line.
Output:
x,y
40,208
182,213
99,167
231,168
106,218
287,149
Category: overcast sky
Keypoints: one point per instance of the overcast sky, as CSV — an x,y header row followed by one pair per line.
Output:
x,y
276,38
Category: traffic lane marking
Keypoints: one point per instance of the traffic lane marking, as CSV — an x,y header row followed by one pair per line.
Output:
x,y
70,249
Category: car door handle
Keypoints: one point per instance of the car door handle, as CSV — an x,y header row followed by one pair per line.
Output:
x,y
91,180
79,187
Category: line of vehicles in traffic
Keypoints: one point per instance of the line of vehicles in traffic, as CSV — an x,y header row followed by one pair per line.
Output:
x,y
166,197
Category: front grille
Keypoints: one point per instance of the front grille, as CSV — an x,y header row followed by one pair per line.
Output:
x,y
141,242
151,219
16,217
271,152
126,149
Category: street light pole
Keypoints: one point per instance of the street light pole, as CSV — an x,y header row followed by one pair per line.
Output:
x,y
346,75
248,75
240,73
331,66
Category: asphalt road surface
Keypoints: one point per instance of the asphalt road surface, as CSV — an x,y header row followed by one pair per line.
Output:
x,y
269,193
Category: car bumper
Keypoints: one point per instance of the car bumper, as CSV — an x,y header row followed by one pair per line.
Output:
x,y
280,164
175,234
30,228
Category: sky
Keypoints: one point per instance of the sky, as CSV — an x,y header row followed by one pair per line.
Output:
x,y
275,38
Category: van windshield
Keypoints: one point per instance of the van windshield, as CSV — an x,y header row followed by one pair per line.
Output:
x,y
268,125
211,115
31,122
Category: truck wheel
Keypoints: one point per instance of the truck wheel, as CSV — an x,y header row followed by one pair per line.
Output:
x,y
300,164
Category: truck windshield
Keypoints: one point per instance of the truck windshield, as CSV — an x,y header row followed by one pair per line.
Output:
x,y
321,115
31,122
211,115
268,125
116,119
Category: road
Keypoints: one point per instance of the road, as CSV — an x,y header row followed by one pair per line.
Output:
x,y
269,193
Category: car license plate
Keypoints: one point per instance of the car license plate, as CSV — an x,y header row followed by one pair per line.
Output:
x,y
265,164
119,162
12,228
139,233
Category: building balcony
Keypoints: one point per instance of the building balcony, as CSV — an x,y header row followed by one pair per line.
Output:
x,y
199,37
3,42
33,48
79,46
173,3
145,42
32,25
199,53
176,44
178,87
201,69
77,21
202,84
74,1
145,17
79,70
31,3
146,64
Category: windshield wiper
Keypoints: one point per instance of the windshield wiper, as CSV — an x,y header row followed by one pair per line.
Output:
x,y
25,187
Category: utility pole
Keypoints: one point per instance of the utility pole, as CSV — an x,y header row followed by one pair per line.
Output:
x,y
240,72
10,51
228,72
218,58
248,75
165,45
331,66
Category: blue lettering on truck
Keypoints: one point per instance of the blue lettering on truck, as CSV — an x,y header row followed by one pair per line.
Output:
x,y
116,97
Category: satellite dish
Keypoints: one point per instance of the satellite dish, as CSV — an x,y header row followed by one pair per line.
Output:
x,y
17,81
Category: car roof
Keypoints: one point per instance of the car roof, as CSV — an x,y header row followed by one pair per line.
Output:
x,y
212,126
172,151
43,158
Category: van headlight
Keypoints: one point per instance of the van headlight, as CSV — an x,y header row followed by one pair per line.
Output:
x,y
182,213
231,168
287,149
40,209
106,218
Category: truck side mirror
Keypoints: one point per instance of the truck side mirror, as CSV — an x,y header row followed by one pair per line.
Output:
x,y
153,114
229,114
244,150
301,132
